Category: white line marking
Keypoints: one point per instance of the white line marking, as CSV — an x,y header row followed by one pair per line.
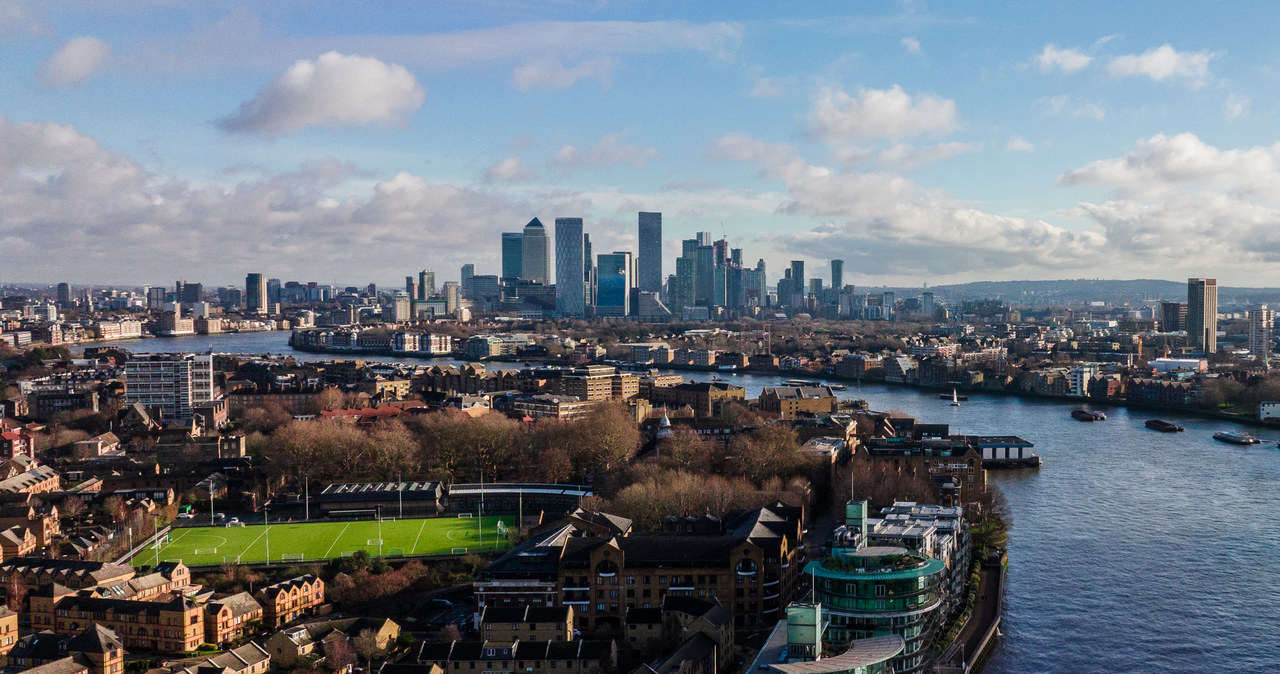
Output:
x,y
335,540
414,549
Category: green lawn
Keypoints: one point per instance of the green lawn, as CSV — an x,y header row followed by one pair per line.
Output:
x,y
310,541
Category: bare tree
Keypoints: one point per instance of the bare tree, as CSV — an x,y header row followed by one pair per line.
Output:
x,y
337,652
366,644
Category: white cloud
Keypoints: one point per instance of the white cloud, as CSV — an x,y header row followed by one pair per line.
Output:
x,y
608,152
1161,164
1162,63
511,170
770,87
1068,60
59,190
906,157
1019,144
333,90
1176,196
19,20
74,61
1236,106
911,44
878,113
741,147
884,223
551,73
1065,106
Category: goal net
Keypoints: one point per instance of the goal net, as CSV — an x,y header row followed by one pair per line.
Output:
x,y
205,551
395,552
373,541
463,516
292,557
459,551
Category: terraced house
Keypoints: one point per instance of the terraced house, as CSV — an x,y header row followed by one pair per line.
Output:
x,y
287,600
174,626
230,618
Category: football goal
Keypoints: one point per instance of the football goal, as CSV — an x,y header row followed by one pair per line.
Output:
x,y
459,551
373,541
395,552
463,516
205,551
293,557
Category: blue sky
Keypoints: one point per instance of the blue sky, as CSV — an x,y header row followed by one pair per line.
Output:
x,y
141,142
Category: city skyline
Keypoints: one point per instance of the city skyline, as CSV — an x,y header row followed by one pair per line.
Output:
x,y
1106,144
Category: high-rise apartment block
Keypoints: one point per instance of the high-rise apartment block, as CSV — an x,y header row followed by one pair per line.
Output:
x,y
650,261
1262,322
614,283
174,382
1202,314
571,298
837,274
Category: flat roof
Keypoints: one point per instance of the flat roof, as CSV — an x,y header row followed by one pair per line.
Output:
x,y
861,653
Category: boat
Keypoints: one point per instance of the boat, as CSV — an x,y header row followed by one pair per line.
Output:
x,y
802,382
955,399
1163,426
1086,415
1235,438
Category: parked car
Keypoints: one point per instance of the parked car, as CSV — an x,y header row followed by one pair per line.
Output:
x,y
186,516
443,603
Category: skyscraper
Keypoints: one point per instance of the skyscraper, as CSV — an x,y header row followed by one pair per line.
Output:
x,y
536,259
64,295
704,276
797,285
588,271
1173,316
1262,322
255,294
512,256
273,290
650,262
1202,314
426,284
837,274
571,296
468,273
614,283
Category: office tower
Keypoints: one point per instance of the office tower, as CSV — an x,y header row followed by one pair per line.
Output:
x,y
255,294
1202,314
230,298
762,281
588,272
650,262
536,259
512,256
452,296
399,309
468,273
815,287
426,284
64,295
411,286
684,293
837,274
1262,323
174,382
273,290
614,283
795,289
571,296
689,248
1173,316
371,290
705,276
927,307
179,290
703,238
192,292
156,298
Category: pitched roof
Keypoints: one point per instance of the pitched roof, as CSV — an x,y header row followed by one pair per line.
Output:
x,y
95,639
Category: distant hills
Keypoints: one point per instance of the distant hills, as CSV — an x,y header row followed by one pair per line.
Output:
x,y
1115,292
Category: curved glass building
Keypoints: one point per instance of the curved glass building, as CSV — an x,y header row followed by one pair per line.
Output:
x,y
879,591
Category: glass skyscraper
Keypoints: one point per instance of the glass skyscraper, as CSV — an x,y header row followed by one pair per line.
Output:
x,y
570,293
650,262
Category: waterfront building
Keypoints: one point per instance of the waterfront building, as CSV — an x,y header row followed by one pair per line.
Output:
x,y
1202,314
650,261
255,294
874,591
535,253
174,382
571,296
795,647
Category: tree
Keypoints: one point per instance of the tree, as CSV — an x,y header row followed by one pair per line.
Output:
x,y
72,507
15,593
366,644
338,654
326,400
117,509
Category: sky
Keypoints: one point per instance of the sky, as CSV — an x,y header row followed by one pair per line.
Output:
x,y
147,141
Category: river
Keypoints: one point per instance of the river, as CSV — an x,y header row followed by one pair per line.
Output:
x,y
1131,550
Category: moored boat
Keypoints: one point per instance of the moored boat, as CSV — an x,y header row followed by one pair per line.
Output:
x,y
1235,438
1086,415
1163,426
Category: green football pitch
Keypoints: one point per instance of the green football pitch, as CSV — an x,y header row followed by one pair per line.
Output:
x,y
322,541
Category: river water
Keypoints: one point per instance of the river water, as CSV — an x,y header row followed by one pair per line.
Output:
x,y
1131,550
